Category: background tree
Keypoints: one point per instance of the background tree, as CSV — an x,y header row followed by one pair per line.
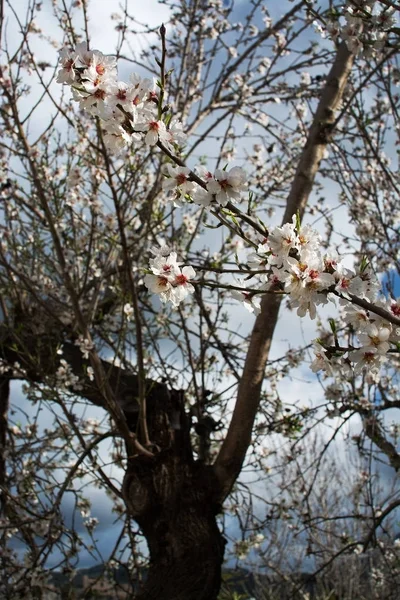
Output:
x,y
95,188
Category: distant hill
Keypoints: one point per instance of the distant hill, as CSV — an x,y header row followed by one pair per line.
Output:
x,y
353,577
239,581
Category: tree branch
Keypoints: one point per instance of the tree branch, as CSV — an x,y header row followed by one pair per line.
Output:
x,y
233,451
373,430
37,355
4,403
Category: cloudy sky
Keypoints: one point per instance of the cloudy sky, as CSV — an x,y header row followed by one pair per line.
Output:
x,y
291,331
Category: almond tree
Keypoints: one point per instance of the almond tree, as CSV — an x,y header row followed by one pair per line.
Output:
x,y
102,205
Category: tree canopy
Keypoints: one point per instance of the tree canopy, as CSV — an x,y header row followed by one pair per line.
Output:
x,y
177,202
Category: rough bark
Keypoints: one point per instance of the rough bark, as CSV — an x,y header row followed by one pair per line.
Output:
x,y
4,403
374,431
174,500
233,451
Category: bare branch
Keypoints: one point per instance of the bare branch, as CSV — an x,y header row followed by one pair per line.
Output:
x,y
234,448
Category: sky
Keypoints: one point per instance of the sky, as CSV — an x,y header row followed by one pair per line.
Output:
x,y
290,331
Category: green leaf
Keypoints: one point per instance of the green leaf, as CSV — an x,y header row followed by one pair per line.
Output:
x,y
298,221
364,264
332,324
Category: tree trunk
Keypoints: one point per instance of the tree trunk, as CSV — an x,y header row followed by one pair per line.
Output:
x,y
4,405
174,501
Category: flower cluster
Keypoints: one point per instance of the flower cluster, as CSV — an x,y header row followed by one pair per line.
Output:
x,y
85,346
226,185
219,188
365,28
129,112
375,335
167,278
66,378
295,264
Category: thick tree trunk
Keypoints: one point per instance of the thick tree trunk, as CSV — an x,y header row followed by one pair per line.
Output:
x,y
4,405
172,497
173,504
186,562
174,501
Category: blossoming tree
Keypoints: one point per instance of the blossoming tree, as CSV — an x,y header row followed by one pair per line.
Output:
x,y
118,292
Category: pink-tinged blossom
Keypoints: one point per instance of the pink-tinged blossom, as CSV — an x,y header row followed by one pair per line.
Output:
x,y
385,19
155,129
162,250
281,241
116,138
365,285
356,316
128,311
74,177
178,179
363,31
343,279
366,359
120,94
204,173
227,185
190,223
304,281
141,89
65,376
165,265
158,284
331,262
249,300
175,134
375,338
308,239
101,67
171,290
276,278
84,56
67,73
395,307
308,304
316,279
321,362
168,280
293,277
201,196
94,100
182,286
307,278
255,261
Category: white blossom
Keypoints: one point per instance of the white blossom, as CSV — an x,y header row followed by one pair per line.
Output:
x,y
128,311
227,185
168,279
85,346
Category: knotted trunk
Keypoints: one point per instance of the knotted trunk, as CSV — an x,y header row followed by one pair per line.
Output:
x,y
174,501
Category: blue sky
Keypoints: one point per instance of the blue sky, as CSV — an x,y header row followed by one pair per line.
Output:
x,y
290,331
